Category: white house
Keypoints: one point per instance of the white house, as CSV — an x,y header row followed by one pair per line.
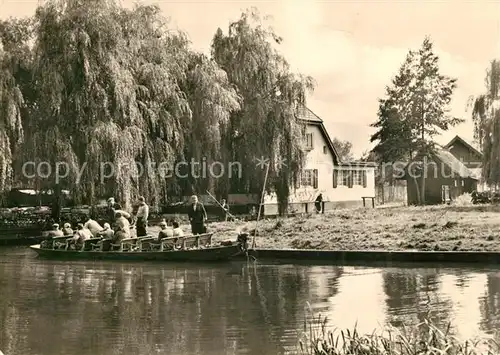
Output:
x,y
341,184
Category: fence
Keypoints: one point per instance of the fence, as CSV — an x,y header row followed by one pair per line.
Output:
x,y
391,193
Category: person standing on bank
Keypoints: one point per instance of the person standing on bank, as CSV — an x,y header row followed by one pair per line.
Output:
x,y
142,218
197,216
319,203
225,207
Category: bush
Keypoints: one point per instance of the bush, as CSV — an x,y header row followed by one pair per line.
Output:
x,y
462,200
425,338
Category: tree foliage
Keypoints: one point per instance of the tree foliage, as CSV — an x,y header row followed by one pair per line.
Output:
x,y
266,126
415,110
344,149
486,118
15,35
114,92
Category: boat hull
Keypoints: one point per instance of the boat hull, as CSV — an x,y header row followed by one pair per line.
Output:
x,y
216,253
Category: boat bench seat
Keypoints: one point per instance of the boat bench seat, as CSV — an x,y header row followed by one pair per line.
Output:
x,y
204,240
190,242
171,243
127,244
90,243
148,243
57,242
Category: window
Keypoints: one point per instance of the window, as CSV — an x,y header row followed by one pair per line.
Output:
x,y
309,141
357,177
325,150
349,178
310,178
345,177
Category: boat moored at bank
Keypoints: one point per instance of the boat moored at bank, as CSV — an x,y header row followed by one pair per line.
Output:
x,y
187,248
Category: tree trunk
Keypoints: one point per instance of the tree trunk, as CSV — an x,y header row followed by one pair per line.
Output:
x,y
56,203
422,190
418,190
424,160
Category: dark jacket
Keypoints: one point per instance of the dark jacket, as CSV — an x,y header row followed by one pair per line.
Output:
x,y
197,216
111,211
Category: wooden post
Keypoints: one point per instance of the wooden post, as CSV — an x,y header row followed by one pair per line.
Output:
x,y
260,206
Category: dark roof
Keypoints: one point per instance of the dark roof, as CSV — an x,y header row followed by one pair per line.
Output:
x,y
449,160
456,166
307,116
465,143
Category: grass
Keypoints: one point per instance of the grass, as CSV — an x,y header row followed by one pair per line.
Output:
x,y
458,227
424,338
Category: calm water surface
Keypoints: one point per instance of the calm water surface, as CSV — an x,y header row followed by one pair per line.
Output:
x,y
104,308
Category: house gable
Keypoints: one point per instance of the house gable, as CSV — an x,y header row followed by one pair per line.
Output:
x,y
309,118
465,152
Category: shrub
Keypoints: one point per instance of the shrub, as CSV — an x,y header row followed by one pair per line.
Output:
x,y
462,200
424,338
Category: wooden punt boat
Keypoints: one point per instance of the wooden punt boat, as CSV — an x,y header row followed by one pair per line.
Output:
x,y
188,248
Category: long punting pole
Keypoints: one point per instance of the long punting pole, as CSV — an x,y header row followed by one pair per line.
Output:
x,y
208,192
260,206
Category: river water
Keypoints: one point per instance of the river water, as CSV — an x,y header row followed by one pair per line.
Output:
x,y
104,308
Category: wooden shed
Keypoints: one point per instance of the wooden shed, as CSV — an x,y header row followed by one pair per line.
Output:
x,y
446,178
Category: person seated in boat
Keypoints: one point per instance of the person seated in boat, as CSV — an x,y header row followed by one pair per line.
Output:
x,y
114,207
165,231
106,232
55,232
67,230
122,229
93,226
178,232
107,235
79,237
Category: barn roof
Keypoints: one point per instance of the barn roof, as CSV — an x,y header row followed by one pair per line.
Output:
x,y
444,156
465,143
456,166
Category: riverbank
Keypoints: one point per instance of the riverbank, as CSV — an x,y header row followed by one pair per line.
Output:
x,y
437,228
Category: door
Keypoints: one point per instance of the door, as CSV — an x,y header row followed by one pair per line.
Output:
x,y
445,193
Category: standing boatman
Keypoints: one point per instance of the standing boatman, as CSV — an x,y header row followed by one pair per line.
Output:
x,y
197,216
141,218
225,207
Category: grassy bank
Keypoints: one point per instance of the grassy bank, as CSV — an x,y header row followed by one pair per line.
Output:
x,y
401,228
425,338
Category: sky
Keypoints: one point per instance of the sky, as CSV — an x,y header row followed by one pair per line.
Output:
x,y
353,48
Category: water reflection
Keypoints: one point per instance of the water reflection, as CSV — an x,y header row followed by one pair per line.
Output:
x,y
490,303
116,308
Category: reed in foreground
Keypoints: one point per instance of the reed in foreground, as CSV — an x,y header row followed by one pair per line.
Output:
x,y
425,338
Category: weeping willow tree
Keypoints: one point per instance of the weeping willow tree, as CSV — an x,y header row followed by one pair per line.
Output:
x,y
266,125
212,101
15,61
120,97
486,118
